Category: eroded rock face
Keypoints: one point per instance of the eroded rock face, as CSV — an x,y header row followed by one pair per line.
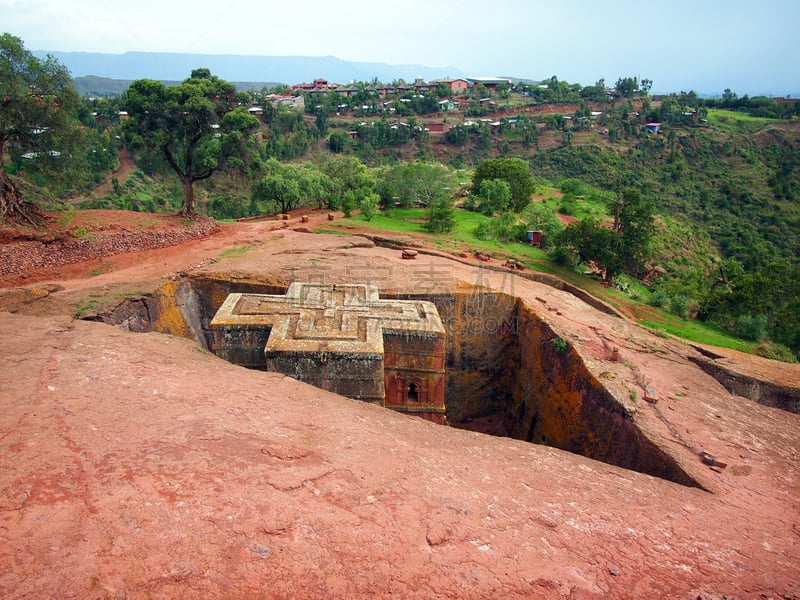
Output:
x,y
556,400
785,396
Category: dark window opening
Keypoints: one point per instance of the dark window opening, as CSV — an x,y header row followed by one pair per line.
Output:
x,y
413,393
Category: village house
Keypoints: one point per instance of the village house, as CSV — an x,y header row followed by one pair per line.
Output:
x,y
319,85
421,86
457,86
490,84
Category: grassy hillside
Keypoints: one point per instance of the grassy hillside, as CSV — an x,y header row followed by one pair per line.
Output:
x,y
726,186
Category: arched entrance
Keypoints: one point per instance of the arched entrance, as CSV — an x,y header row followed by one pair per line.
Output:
x,y
413,393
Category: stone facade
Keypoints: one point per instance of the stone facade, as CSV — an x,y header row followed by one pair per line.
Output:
x,y
341,338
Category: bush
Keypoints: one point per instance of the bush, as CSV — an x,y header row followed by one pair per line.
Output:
x,y
752,328
568,205
348,203
560,345
659,299
677,305
440,218
482,231
574,187
776,352
369,205
505,228
561,255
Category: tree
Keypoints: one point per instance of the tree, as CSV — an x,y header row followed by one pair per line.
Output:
x,y
196,126
287,185
633,221
514,171
338,141
348,174
412,184
594,243
439,215
368,206
627,87
280,186
495,195
538,216
315,185
624,246
37,101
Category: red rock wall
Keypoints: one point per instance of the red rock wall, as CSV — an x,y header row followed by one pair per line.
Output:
x,y
555,400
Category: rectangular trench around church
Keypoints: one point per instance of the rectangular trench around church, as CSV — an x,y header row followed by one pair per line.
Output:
x,y
499,362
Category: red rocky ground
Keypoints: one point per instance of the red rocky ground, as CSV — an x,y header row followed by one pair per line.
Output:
x,y
140,465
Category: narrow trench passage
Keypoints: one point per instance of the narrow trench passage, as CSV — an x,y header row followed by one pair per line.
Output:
x,y
504,375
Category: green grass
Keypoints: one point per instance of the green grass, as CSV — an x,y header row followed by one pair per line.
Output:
x,y
398,219
695,331
331,231
732,121
89,304
233,252
409,220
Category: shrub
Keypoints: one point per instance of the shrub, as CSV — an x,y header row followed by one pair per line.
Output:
x,y
659,299
440,218
348,203
573,186
776,352
560,345
677,305
752,328
561,255
369,205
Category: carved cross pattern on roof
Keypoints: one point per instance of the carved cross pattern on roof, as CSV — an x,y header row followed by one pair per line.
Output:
x,y
324,317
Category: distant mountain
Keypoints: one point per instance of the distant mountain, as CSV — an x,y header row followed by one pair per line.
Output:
x,y
93,86
284,69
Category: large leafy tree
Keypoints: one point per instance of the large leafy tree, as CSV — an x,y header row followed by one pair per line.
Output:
x,y
197,126
634,222
37,104
350,181
594,242
622,247
514,171
413,184
495,195
287,185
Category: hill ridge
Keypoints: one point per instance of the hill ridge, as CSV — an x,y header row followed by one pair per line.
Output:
x,y
234,67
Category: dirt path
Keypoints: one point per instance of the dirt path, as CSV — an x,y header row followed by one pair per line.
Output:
x,y
126,167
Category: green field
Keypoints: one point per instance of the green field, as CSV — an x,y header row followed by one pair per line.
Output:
x,y
411,220
631,298
736,122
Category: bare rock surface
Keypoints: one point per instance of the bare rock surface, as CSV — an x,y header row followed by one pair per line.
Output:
x,y
140,465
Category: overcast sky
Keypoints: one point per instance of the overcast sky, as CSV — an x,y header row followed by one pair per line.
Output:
x,y
702,45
